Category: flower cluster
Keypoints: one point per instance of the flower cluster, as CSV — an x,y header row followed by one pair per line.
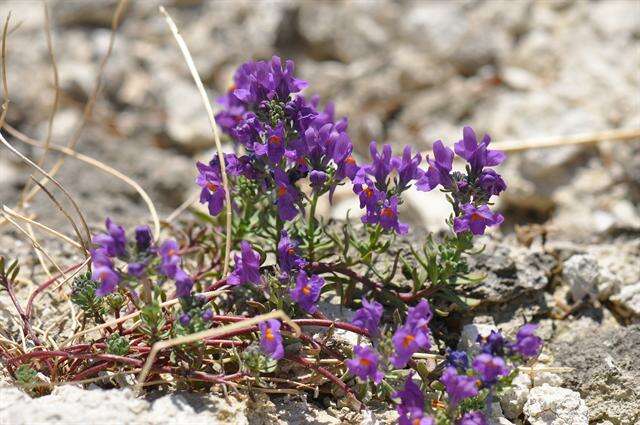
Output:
x,y
493,363
141,257
470,191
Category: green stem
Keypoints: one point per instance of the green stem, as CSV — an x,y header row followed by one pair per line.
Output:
x,y
311,226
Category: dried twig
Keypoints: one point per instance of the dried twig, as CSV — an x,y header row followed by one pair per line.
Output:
x,y
216,137
211,333
46,228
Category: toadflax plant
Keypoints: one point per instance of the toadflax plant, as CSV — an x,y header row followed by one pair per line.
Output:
x,y
289,152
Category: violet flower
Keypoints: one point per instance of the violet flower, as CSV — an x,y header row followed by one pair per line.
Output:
x,y
439,171
136,269
458,387
458,359
288,253
286,196
170,260
207,315
493,344
307,291
247,266
274,147
212,193
407,340
389,217
364,364
527,343
407,168
102,271
411,406
476,219
114,242
420,315
184,319
368,316
381,165
473,418
271,339
477,154
490,368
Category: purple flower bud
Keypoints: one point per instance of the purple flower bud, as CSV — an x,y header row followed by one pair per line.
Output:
x,y
491,182
364,364
207,315
307,291
317,179
136,269
458,387
271,339
493,344
247,266
185,319
476,219
143,238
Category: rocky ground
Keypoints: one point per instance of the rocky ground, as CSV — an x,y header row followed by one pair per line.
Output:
x,y
404,72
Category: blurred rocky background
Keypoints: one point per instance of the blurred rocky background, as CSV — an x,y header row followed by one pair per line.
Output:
x,y
405,72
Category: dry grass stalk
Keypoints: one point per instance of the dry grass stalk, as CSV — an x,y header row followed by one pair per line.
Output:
x,y
99,165
9,212
216,137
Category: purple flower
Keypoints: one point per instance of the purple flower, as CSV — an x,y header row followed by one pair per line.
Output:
x,y
477,155
307,291
407,168
458,359
411,407
114,242
439,169
381,165
143,238
286,196
102,271
476,219
347,168
492,344
364,364
274,147
288,253
490,368
247,266
473,418
170,260
389,217
212,192
527,343
183,283
491,182
369,195
407,340
271,339
368,316
458,387
420,316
